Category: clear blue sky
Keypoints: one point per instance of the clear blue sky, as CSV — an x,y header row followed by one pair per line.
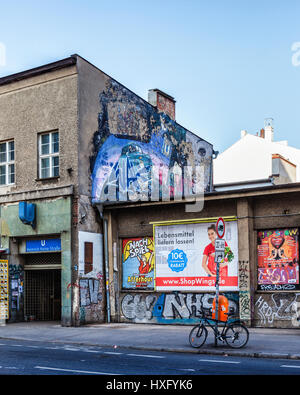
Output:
x,y
227,63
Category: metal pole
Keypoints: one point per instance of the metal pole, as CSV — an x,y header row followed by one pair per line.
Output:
x,y
105,247
106,268
217,303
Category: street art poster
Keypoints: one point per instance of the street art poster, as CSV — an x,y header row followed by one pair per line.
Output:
x,y
90,254
185,254
4,294
138,263
278,258
141,154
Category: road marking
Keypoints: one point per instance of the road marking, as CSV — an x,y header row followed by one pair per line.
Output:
x,y
113,353
70,349
16,345
187,370
290,366
32,346
52,348
73,370
216,361
95,351
145,355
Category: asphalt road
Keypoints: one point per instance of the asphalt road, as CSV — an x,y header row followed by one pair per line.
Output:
x,y
40,358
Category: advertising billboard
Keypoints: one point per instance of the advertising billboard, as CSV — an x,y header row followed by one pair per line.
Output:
x,y
185,257
278,259
4,295
138,263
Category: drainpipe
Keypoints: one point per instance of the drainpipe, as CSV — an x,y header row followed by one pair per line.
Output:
x,y
214,156
105,249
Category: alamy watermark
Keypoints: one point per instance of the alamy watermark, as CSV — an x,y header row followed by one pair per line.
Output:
x,y
138,183
296,56
2,55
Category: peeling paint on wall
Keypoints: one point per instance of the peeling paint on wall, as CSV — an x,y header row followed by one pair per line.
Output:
x,y
91,300
133,138
16,295
278,310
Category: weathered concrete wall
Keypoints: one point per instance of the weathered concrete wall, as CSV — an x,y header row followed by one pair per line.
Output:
x,y
246,256
91,300
277,310
88,291
16,275
136,221
269,211
44,103
169,308
40,104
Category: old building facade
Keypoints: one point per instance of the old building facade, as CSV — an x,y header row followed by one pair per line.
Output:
x,y
103,220
62,127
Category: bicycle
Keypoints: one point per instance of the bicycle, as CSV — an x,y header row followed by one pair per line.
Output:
x,y
234,332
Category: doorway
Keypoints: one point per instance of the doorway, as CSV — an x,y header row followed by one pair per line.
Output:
x,y
42,295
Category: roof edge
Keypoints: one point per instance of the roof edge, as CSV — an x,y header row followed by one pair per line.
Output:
x,y
60,64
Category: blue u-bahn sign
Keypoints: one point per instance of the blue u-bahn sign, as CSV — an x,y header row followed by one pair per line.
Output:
x,y
47,245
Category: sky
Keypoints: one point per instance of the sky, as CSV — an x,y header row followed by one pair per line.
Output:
x,y
229,64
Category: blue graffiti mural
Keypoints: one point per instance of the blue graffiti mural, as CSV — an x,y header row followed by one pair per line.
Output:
x,y
171,308
133,138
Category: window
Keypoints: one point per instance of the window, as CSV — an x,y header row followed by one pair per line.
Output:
x,y
88,257
7,163
49,155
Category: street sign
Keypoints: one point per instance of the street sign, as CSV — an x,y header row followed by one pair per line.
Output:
x,y
219,245
220,228
219,256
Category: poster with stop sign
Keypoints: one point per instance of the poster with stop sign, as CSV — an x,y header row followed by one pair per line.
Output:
x,y
185,257
278,259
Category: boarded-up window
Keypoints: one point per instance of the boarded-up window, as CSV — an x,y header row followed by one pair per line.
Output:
x,y
88,257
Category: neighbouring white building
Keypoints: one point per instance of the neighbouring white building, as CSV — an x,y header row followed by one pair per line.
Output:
x,y
256,161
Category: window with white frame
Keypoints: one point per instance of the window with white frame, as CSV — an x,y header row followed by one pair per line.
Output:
x,y
7,162
49,155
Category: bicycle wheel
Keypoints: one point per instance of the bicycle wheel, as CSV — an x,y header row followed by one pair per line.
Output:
x,y
236,335
198,336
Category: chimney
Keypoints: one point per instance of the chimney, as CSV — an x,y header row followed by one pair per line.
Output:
x,y
269,131
162,101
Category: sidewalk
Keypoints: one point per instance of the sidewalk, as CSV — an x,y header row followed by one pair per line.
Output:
x,y
264,343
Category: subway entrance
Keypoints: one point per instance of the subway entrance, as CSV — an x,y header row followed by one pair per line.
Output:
x,y
42,288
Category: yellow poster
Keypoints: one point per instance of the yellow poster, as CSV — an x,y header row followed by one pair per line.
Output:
x,y
4,295
138,263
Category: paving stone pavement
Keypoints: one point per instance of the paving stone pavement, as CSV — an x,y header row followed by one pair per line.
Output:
x,y
267,343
